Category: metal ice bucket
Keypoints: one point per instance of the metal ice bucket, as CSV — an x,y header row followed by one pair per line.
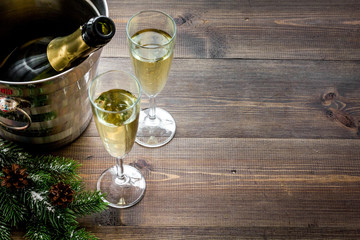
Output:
x,y
54,111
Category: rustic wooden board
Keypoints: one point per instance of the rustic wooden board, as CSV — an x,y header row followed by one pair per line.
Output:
x,y
266,99
271,187
237,182
253,233
257,98
321,30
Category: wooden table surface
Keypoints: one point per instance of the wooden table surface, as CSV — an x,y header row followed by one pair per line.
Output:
x,y
266,97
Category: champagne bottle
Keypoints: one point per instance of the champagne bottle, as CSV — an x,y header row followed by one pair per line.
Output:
x,y
46,57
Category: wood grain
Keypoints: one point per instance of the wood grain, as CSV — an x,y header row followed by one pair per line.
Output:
x,y
265,95
252,29
161,233
256,98
237,182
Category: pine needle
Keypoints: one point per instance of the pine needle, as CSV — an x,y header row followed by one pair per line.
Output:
x,y
12,210
31,206
38,231
5,230
88,202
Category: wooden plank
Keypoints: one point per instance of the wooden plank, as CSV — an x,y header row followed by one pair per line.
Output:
x,y
195,182
325,30
265,96
310,232
280,233
257,98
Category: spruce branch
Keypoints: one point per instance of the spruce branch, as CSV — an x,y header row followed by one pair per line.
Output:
x,y
88,202
33,205
5,230
41,179
43,211
37,231
58,167
12,210
80,234
11,153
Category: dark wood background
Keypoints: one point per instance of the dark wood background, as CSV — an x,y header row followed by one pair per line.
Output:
x,y
266,99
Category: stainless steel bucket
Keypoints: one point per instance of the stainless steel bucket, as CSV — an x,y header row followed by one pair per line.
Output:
x,y
54,111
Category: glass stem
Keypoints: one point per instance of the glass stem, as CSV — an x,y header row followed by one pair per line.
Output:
x,y
152,107
120,168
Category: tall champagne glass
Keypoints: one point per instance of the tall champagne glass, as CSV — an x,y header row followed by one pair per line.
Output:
x,y
115,100
151,39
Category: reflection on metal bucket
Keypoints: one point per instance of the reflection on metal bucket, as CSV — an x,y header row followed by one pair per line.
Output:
x,y
54,111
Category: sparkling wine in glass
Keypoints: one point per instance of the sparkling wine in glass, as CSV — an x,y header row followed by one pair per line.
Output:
x,y
151,39
115,100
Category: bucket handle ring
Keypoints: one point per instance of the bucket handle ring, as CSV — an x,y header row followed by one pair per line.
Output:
x,y
8,105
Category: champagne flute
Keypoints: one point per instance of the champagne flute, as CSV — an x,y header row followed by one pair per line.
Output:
x,y
115,101
151,39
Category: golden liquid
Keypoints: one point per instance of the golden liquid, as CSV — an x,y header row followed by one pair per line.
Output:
x,y
117,130
152,63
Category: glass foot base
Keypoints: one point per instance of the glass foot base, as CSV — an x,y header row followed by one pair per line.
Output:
x,y
157,132
122,193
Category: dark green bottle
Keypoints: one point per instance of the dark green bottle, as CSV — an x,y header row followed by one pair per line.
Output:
x,y
46,57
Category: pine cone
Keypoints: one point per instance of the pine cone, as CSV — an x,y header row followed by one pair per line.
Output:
x,y
61,194
15,177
